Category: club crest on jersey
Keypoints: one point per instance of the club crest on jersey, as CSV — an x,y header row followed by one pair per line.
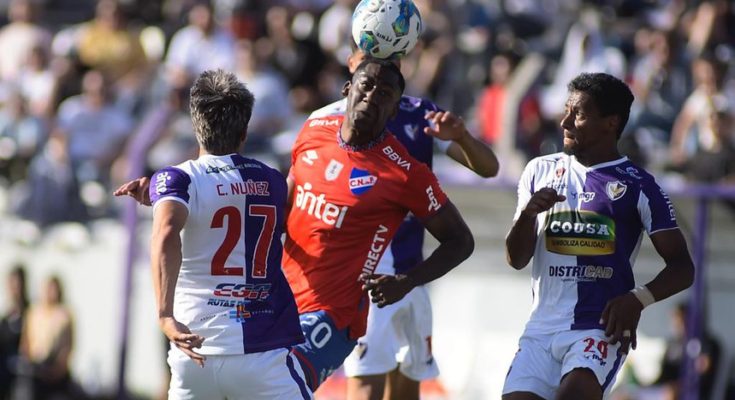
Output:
x,y
361,181
615,190
333,169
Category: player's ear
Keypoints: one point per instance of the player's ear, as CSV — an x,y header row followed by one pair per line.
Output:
x,y
346,88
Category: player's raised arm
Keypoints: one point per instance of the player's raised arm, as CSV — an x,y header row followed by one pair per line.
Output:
x,y
465,148
456,243
521,240
169,218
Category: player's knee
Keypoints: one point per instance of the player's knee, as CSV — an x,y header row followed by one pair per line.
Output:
x,y
580,383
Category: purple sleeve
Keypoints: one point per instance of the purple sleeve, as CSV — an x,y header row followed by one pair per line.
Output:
x,y
655,207
170,182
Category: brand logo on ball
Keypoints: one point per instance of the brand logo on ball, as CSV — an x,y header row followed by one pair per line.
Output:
x,y
361,181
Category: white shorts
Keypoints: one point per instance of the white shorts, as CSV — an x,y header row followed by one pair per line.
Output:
x,y
396,334
273,374
543,359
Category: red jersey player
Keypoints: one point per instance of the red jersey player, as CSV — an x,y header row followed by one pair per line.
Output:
x,y
352,184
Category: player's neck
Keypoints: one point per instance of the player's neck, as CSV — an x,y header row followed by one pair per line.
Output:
x,y
350,139
589,160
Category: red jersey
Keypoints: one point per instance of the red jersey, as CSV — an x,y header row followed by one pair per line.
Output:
x,y
346,207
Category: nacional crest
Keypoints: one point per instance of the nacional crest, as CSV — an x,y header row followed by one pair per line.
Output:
x,y
615,190
361,181
333,169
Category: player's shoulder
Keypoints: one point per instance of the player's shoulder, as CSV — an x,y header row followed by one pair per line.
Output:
x,y
336,108
317,130
547,161
638,176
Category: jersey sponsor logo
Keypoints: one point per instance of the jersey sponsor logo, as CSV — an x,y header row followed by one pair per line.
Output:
x,y
580,272
585,197
333,169
560,172
433,202
410,130
580,233
245,310
310,157
630,171
376,250
323,122
361,181
243,290
615,190
161,180
672,212
215,170
395,157
317,206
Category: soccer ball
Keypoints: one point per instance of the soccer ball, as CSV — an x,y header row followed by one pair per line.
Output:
x,y
386,28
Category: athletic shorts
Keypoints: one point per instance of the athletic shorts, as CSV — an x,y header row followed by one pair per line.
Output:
x,y
325,348
542,361
398,335
273,374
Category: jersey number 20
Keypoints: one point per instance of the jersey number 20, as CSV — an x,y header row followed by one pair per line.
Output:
x,y
232,237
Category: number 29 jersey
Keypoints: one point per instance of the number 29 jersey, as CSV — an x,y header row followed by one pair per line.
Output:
x,y
587,244
230,287
347,205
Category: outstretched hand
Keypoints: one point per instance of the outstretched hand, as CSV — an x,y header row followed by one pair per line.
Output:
x,y
180,335
445,125
620,318
137,189
386,289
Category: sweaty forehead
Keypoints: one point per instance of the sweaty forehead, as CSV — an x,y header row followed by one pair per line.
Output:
x,y
380,73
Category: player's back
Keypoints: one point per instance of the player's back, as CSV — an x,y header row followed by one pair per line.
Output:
x,y
230,288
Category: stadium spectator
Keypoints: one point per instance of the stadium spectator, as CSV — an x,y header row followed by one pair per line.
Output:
x,y
21,137
37,83
94,129
11,327
586,307
47,343
272,109
201,45
692,128
19,37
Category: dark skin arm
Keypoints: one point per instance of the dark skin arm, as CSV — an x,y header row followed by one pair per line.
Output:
x,y
456,243
623,312
521,240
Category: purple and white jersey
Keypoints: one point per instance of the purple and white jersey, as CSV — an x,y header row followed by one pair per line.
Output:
x,y
406,249
588,243
230,288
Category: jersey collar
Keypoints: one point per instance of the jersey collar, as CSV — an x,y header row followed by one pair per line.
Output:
x,y
367,146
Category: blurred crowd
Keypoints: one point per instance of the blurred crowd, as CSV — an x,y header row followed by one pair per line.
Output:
x,y
95,92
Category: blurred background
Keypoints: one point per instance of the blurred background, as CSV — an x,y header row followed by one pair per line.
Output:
x,y
94,93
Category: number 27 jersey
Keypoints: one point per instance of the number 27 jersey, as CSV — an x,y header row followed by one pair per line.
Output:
x,y
230,287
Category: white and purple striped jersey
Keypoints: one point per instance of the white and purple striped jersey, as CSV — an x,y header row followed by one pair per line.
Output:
x,y
406,249
230,288
588,243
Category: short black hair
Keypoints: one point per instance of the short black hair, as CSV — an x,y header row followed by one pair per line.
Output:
x,y
610,95
383,63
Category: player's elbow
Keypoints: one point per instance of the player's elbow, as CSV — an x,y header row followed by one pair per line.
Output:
x,y
466,245
489,171
687,273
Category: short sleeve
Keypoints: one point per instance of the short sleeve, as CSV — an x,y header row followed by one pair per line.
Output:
x,y
655,208
525,187
169,184
424,195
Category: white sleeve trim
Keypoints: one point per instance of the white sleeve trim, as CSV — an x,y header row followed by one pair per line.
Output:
x,y
170,198
663,229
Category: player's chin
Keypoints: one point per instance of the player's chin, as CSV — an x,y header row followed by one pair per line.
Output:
x,y
569,149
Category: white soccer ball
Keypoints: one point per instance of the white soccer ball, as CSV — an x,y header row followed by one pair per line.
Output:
x,y
386,28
